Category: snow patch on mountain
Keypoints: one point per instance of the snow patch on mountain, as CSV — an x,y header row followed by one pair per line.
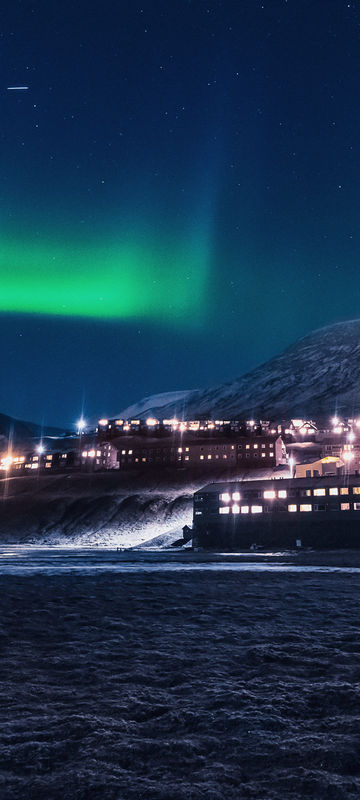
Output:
x,y
148,405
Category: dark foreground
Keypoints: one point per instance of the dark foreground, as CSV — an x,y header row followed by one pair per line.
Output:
x,y
187,685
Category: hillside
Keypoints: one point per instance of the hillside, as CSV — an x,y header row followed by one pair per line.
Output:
x,y
317,375
18,430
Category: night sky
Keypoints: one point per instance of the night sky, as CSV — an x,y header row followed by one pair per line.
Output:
x,y
180,193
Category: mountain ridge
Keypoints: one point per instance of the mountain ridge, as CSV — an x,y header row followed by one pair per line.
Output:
x,y
316,375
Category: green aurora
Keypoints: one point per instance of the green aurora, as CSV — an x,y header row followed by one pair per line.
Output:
x,y
116,281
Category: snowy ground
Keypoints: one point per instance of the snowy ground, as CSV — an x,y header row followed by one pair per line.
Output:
x,y
109,509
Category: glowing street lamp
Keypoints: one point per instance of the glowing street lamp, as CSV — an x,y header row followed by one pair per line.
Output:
x,y
40,449
81,425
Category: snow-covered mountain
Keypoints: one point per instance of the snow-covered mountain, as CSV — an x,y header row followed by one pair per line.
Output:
x,y
318,375
174,400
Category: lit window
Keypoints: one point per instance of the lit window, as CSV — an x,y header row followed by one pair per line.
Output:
x,y
197,513
225,497
224,510
356,506
319,492
201,458
98,452
84,453
224,456
233,447
123,452
263,455
334,490
236,509
262,445
282,493
179,449
256,509
244,509
130,452
209,458
143,459
307,507
187,458
292,508
345,506
236,496
187,449
356,489
344,490
255,446
247,447
269,494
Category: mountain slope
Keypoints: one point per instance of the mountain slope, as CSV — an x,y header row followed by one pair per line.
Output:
x,y
317,375
19,431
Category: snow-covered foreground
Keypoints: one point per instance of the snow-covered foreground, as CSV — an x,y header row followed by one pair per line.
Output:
x,y
106,509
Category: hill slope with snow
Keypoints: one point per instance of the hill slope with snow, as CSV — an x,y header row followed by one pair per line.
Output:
x,y
317,375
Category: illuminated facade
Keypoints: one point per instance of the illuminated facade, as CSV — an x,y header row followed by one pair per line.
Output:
x,y
311,512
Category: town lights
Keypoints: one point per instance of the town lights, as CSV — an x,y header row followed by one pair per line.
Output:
x,y
151,421
7,461
103,422
40,449
351,437
335,420
347,456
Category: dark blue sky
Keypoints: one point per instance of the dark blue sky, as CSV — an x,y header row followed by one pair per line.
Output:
x,y
179,193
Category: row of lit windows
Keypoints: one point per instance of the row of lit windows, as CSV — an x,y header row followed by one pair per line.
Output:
x,y
256,509
256,455
309,507
268,494
255,446
272,494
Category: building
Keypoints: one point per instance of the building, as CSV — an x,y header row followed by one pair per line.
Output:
x,y
329,465
312,512
99,457
261,451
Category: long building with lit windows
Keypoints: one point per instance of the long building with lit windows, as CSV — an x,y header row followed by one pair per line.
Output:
x,y
322,512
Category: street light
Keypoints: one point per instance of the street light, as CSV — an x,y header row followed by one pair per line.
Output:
x,y
81,425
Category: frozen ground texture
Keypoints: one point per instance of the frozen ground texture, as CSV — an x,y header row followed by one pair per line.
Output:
x,y
180,686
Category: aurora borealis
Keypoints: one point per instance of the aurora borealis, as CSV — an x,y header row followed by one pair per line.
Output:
x,y
179,193
105,282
